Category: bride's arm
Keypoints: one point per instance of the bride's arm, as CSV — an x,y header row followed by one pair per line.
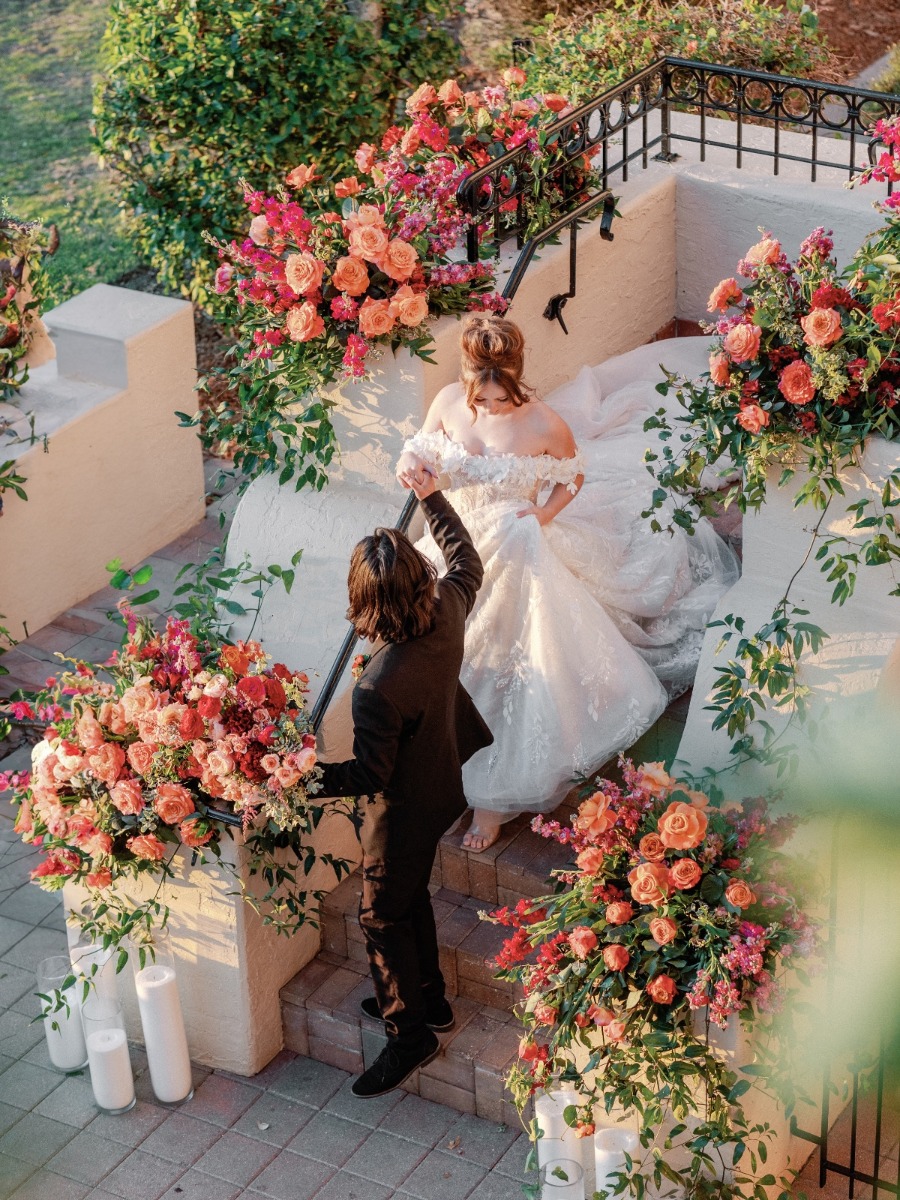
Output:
x,y
414,463
561,445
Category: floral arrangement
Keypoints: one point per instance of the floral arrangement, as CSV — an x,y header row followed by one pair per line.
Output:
x,y
331,273
23,246
674,914
140,756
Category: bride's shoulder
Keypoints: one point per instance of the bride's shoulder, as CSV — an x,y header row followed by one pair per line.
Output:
x,y
555,432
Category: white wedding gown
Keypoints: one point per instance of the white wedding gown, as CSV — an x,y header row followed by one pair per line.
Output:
x,y
584,628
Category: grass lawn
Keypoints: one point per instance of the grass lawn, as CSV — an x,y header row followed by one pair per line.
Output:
x,y
48,51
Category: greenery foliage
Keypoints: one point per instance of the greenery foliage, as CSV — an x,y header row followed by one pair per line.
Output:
x,y
196,94
585,55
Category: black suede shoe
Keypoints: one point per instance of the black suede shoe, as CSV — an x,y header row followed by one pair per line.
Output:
x,y
396,1062
438,1016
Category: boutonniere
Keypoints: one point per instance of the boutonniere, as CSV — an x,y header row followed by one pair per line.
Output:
x,y
359,665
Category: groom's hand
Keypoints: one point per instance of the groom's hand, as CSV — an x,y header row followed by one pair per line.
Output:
x,y
426,487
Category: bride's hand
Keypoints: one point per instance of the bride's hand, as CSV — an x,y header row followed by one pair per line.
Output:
x,y
536,510
411,469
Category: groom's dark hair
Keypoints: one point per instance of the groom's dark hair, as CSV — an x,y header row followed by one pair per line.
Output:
x,y
391,588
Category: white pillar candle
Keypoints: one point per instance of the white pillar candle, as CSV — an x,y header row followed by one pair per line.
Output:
x,y
164,1036
111,1077
610,1148
562,1179
65,1042
549,1110
86,956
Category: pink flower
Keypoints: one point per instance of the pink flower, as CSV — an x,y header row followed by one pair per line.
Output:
x,y
147,846
616,957
302,176
595,816
450,92
742,342
107,762
822,327
173,803
303,323
375,319
348,186
619,912
796,383
260,231
753,418
764,253
409,307
303,273
99,879
545,1014
223,278
582,940
615,1031
723,295
127,796
365,157
514,77
719,370
421,99
399,260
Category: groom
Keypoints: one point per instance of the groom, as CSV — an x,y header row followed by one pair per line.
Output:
x,y
414,725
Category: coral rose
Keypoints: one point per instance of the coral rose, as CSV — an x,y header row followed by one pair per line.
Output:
x,y
796,383
252,688
107,762
822,327
554,101
88,731
662,989
286,777
411,141
753,418
616,957
303,273
190,835
368,241
583,940
270,763
663,930
173,803
99,879
545,1014
375,318
140,756
684,873
305,760
350,275
514,77
723,295
348,186
590,860
719,370
764,253
741,342
615,1030
235,658
740,894
655,779
399,259
600,1016
649,883
682,827
128,795
697,799
260,230
652,848
450,92
303,323
302,176
421,99
409,307
147,846
619,912
594,815
365,157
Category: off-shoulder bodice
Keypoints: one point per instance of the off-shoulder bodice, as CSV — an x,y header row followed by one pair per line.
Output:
x,y
480,479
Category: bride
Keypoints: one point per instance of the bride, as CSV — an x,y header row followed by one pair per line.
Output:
x,y
587,622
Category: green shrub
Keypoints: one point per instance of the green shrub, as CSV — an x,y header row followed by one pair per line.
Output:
x,y
890,80
585,55
196,94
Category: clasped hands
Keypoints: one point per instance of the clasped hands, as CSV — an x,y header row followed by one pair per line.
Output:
x,y
417,476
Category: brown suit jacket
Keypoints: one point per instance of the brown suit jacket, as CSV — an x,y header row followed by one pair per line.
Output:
x,y
414,724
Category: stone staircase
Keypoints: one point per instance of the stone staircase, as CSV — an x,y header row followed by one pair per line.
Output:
x,y
320,1005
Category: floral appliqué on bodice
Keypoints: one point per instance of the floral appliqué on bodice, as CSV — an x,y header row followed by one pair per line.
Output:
x,y
480,479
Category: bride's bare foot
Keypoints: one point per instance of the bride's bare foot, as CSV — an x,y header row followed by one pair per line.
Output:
x,y
483,832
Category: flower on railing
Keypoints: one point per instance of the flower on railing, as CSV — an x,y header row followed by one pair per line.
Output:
x,y
140,752
886,165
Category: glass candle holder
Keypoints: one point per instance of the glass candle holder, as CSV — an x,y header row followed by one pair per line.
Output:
x,y
610,1148
91,962
61,1012
165,1040
107,1047
562,1179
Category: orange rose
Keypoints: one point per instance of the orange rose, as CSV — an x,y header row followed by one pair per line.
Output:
x,y
303,273
140,756
127,795
303,323
697,799
554,101
652,848
723,295
302,176
742,342
753,418
147,846
796,383
514,77
719,370
822,327
662,989
582,940
88,731
740,894
619,912
411,141
649,883
368,241
346,187
615,1031
682,827
366,214
616,957
655,779
450,92
600,1016
409,307
594,815
764,253
173,803
112,716
235,658
190,835
663,930
365,157
99,879
107,762
350,276
545,1014
590,860
375,318
399,259
421,99
684,874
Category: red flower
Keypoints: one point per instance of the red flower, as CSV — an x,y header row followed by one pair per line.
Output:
x,y
209,707
252,688
191,725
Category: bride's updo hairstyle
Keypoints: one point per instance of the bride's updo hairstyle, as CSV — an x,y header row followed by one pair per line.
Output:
x,y
493,351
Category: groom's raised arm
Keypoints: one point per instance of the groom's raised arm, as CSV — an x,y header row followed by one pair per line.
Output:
x,y
464,567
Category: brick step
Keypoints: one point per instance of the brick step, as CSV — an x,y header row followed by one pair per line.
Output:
x,y
322,1020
